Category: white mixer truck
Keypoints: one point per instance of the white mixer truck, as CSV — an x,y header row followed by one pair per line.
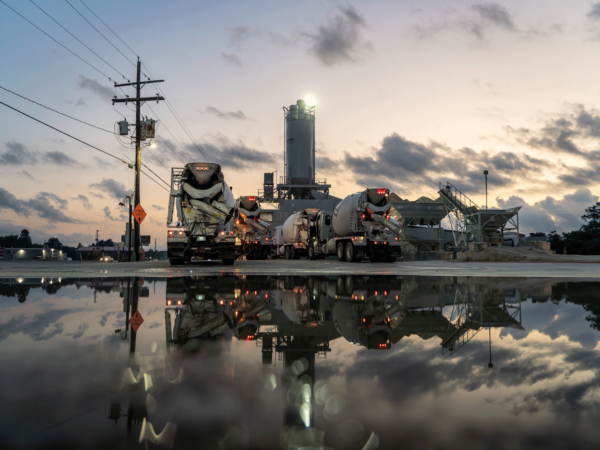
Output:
x,y
251,231
359,227
204,204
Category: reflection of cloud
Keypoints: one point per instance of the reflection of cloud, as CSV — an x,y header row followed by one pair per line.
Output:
x,y
80,331
40,328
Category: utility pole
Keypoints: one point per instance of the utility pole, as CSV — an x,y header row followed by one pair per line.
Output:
x,y
97,236
138,100
485,172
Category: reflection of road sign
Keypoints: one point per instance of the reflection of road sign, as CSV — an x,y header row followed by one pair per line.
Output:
x,y
136,320
139,214
145,240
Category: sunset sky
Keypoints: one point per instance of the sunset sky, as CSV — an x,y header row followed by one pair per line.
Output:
x,y
407,94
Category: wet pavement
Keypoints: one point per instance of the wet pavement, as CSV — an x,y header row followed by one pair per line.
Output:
x,y
284,267
261,362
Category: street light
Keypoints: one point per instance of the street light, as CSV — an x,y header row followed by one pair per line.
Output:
x,y
485,172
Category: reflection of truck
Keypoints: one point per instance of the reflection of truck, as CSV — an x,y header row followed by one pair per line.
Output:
x,y
359,226
204,204
253,233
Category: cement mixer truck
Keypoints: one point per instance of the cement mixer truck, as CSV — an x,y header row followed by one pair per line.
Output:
x,y
204,205
359,227
251,231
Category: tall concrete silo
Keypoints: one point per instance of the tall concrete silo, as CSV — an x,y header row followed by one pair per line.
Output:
x,y
300,144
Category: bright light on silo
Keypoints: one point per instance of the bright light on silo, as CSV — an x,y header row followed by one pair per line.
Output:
x,y
310,100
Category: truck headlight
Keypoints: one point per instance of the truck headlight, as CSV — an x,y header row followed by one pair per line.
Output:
x,y
201,239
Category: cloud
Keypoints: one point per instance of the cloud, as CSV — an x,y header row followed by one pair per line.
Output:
x,y
158,207
93,85
238,115
232,59
26,174
86,203
94,194
239,35
235,155
341,40
478,22
60,158
594,12
495,14
17,155
112,187
107,213
552,214
9,201
43,206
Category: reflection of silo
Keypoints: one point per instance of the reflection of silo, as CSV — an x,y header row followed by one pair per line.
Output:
x,y
299,146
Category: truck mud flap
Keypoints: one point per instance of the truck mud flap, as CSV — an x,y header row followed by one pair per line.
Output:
x,y
176,250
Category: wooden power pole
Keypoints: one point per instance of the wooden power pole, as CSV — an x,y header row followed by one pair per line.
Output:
x,y
138,100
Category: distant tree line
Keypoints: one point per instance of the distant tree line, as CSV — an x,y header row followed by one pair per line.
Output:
x,y
23,240
585,241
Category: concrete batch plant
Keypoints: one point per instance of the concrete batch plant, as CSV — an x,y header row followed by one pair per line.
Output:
x,y
299,188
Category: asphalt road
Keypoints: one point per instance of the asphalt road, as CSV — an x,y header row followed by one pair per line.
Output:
x,y
283,267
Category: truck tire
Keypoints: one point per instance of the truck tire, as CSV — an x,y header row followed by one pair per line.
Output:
x,y
350,253
287,252
176,262
228,261
293,254
312,253
448,246
389,259
341,255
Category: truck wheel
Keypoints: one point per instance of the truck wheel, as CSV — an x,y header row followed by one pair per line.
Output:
x,y
448,246
312,254
389,259
293,254
340,252
175,262
287,253
228,262
350,253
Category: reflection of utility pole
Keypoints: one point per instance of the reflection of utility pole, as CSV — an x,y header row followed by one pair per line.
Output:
x,y
95,295
490,365
134,306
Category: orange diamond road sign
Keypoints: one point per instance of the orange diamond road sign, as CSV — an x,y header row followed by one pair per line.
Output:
x,y
138,213
136,320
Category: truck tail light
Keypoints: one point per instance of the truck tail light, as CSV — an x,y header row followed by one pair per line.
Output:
x,y
231,233
180,233
220,302
170,233
222,233
169,302
179,302
363,217
396,238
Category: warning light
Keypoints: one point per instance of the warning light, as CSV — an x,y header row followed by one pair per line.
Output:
x,y
386,346
385,293
236,313
169,302
247,292
381,191
375,293
363,217
266,296
250,338
237,221
179,302
396,297
255,292
364,320
251,199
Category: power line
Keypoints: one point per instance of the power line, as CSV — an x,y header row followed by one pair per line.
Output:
x,y
79,40
108,28
169,147
156,174
70,51
149,175
53,110
100,33
166,128
66,134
